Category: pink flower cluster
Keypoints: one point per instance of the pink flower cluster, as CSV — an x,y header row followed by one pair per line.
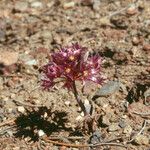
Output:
x,y
70,65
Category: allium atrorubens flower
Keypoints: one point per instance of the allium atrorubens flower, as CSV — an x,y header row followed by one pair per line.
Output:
x,y
69,65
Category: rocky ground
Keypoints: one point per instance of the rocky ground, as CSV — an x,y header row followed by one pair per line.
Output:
x,y
33,119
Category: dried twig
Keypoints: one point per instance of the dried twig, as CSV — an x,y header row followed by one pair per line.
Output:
x,y
123,9
2,132
69,138
11,75
141,114
142,129
85,145
10,121
26,104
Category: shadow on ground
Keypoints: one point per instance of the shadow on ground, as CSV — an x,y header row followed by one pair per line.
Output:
x,y
28,125
136,92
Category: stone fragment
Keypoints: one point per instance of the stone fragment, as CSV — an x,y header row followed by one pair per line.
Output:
x,y
104,21
67,103
68,5
141,140
79,118
106,121
46,35
96,137
120,21
88,106
21,6
127,130
113,127
146,47
41,133
37,4
21,109
87,2
10,133
96,5
31,62
132,10
2,35
122,124
135,40
8,58
109,88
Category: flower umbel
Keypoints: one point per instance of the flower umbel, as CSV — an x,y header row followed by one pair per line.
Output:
x,y
69,65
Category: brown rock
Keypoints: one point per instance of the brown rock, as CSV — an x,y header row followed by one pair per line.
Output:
x,y
8,58
146,47
135,40
132,10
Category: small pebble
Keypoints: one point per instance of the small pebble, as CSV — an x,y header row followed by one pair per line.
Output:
x,y
96,5
9,110
67,103
82,114
79,118
31,62
105,120
88,106
146,47
104,21
122,124
68,5
21,6
40,133
10,133
8,58
147,93
13,95
21,109
113,127
141,140
45,115
96,137
1,117
132,10
127,130
2,35
109,88
37,4
46,35
135,40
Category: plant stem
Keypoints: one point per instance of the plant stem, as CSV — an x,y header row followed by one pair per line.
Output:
x,y
80,103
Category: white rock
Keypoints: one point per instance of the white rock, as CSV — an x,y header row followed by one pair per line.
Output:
x,y
82,114
9,110
69,5
87,106
127,130
31,62
36,4
13,95
21,109
40,133
67,103
79,118
45,115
